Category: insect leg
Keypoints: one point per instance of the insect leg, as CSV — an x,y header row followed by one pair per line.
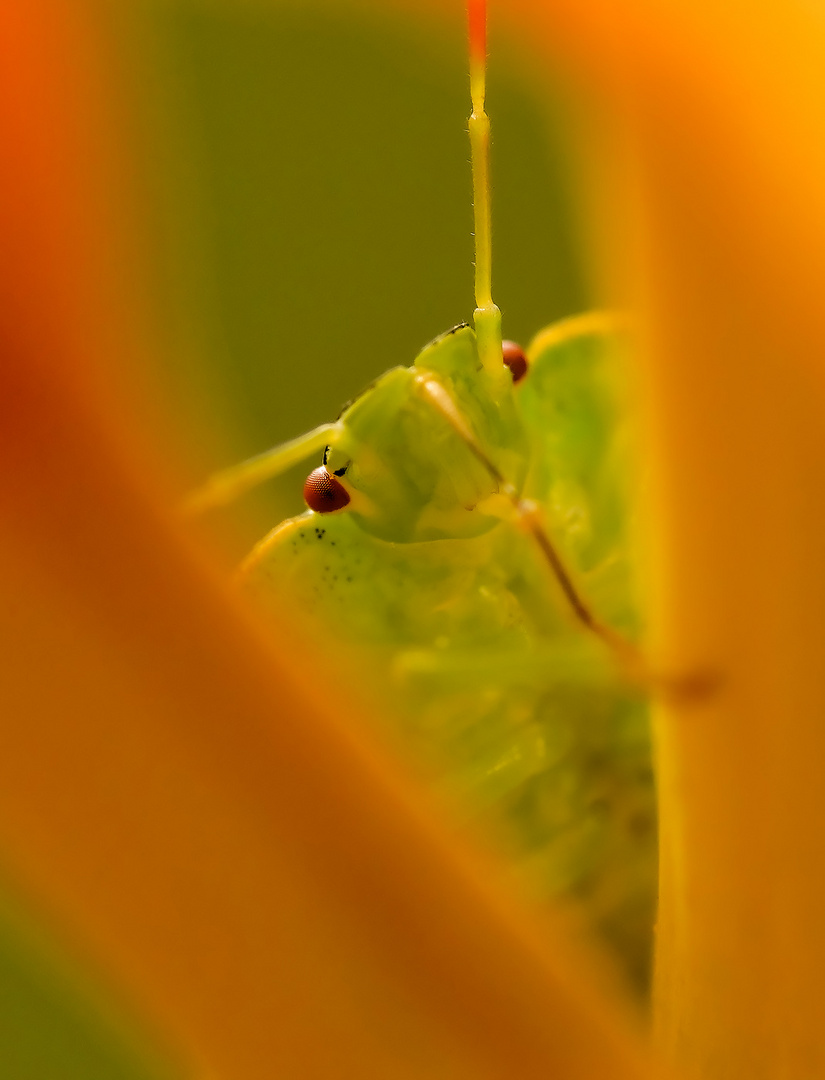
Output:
x,y
225,486
637,670
682,687
525,513
528,516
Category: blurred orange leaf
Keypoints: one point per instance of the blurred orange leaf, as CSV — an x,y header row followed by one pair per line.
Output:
x,y
179,793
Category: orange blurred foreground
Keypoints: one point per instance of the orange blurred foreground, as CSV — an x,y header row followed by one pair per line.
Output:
x,y
262,884
725,106
173,789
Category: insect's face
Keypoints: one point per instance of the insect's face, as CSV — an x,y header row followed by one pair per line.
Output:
x,y
410,475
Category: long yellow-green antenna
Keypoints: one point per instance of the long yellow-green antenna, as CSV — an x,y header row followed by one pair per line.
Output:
x,y
487,317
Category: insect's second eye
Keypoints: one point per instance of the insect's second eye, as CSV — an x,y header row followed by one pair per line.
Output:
x,y
324,493
514,358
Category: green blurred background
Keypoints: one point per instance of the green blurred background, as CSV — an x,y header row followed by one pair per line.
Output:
x,y
302,189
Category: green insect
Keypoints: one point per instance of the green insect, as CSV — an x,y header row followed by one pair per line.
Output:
x,y
468,538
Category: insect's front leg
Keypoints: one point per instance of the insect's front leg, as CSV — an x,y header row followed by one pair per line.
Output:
x,y
582,489
584,470
635,668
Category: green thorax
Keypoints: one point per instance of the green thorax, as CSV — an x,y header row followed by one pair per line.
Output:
x,y
411,474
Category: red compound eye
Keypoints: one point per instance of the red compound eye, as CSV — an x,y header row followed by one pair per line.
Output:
x,y
514,359
324,493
